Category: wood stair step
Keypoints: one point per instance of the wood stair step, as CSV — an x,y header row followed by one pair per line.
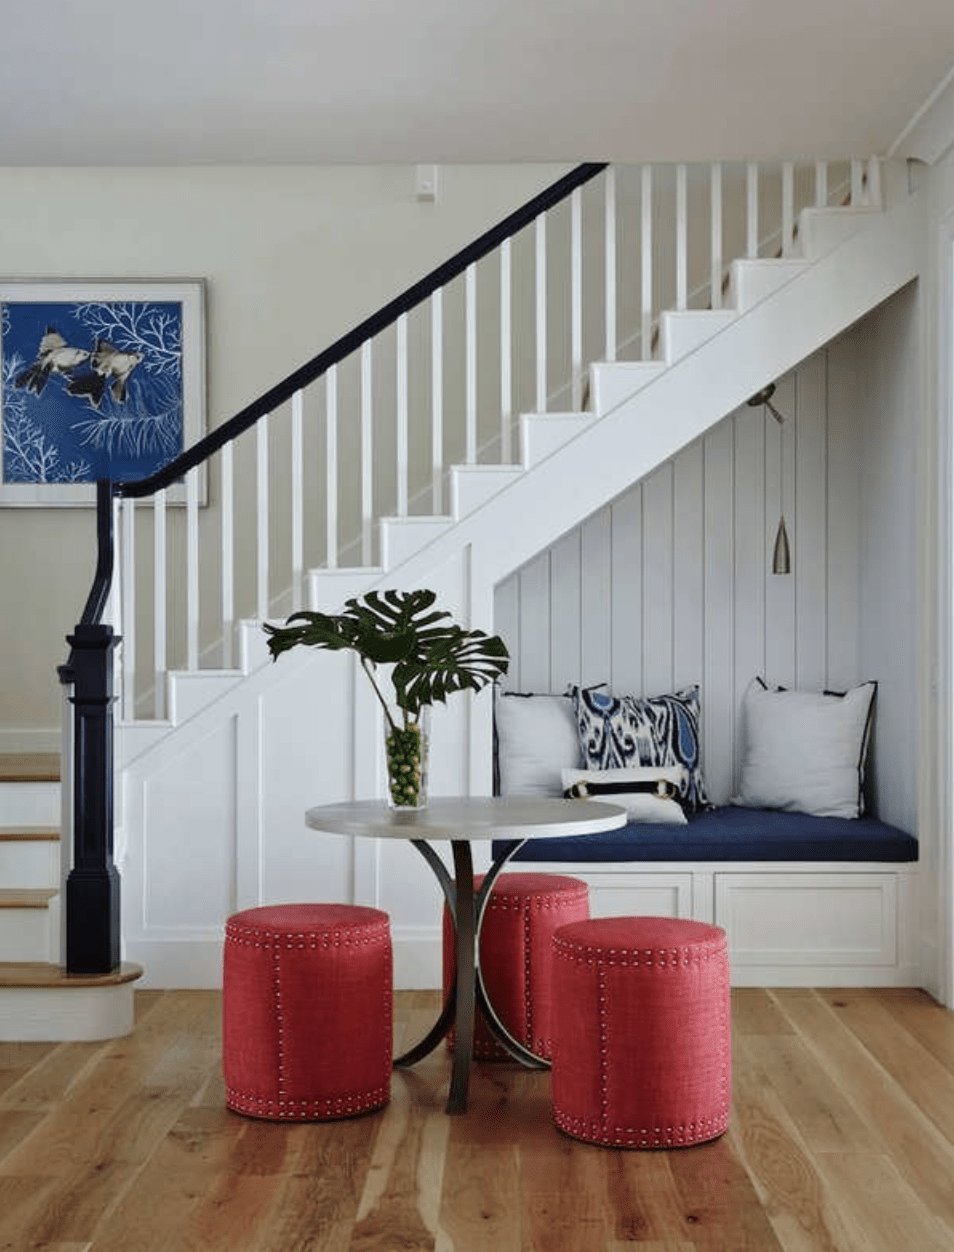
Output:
x,y
26,897
29,767
29,834
42,974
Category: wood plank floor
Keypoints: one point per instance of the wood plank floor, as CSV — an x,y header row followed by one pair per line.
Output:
x,y
841,1137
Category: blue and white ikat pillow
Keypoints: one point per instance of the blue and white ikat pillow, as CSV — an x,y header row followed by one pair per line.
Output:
x,y
618,732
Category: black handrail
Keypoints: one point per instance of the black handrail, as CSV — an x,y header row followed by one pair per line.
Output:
x,y
365,330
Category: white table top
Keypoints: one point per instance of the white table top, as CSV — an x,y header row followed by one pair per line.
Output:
x,y
469,817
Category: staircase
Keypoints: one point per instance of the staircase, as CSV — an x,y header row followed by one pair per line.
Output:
x,y
211,790
38,1000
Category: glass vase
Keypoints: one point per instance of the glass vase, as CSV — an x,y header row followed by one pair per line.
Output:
x,y
405,755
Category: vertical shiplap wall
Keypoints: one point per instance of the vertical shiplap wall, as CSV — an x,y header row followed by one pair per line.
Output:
x,y
671,584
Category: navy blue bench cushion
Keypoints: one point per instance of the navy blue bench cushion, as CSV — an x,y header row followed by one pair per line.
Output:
x,y
734,834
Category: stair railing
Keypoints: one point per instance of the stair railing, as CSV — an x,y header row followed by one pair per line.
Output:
x,y
588,281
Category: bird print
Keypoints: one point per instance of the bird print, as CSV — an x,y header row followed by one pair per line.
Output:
x,y
111,368
54,356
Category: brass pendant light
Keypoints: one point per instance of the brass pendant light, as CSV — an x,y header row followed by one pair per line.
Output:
x,y
781,551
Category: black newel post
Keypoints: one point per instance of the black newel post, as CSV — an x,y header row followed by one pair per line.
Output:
x,y
92,888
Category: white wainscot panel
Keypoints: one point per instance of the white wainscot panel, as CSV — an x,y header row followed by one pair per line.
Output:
x,y
189,837
637,895
305,746
809,919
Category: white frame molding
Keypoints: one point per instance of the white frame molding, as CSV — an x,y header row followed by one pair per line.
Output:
x,y
937,721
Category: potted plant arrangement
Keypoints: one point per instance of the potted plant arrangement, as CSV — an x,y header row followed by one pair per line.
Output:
x,y
430,657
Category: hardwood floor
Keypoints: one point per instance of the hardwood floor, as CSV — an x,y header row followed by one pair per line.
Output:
x,y
841,1137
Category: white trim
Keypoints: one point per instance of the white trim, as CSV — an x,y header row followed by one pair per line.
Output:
x,y
938,719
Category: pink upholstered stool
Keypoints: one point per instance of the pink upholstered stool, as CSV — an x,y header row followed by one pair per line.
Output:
x,y
522,915
306,1011
641,1031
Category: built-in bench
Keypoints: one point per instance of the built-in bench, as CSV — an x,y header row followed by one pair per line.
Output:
x,y
805,901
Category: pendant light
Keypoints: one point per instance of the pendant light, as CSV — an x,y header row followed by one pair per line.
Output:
x,y
781,551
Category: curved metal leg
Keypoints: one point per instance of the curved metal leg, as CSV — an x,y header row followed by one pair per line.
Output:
x,y
446,1018
466,967
466,909
507,1041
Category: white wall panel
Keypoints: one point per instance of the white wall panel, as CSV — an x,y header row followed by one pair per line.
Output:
x,y
658,561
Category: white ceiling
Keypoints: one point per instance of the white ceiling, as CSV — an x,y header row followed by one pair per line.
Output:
x,y
149,82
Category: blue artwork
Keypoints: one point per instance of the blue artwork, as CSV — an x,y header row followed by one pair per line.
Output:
x,y
90,390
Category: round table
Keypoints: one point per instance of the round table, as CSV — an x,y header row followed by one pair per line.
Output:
x,y
510,820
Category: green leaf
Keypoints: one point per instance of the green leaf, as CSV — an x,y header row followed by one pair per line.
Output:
x,y
432,657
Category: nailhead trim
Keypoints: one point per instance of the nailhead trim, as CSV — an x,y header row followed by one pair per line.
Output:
x,y
291,1110
659,958
592,1131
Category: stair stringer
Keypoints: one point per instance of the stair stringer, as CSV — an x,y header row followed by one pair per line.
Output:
x,y
305,731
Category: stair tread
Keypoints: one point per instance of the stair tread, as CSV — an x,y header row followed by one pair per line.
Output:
x,y
29,834
43,974
29,767
26,897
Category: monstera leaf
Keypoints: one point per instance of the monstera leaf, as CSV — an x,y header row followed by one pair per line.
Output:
x,y
431,656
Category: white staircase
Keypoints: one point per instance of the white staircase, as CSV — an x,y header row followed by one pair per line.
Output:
x,y
211,801
38,1000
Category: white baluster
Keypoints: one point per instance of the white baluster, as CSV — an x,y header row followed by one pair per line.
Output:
x,y
228,555
159,603
367,454
261,497
821,185
331,467
576,300
681,242
128,514
506,357
715,227
874,181
609,245
400,361
437,403
857,182
751,210
788,207
541,312
297,499
646,263
192,567
470,363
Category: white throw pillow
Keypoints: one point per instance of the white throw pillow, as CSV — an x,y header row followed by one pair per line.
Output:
x,y
804,751
641,806
536,739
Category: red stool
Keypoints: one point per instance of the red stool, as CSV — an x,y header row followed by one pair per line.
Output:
x,y
641,1032
306,1011
522,915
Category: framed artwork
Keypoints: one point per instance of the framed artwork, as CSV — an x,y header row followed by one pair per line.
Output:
x,y
98,379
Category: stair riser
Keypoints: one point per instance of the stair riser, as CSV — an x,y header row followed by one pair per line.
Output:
x,y
471,487
74,1014
29,804
543,434
683,332
614,382
401,538
26,935
29,864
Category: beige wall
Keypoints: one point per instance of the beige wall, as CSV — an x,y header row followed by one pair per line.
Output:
x,y
293,257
